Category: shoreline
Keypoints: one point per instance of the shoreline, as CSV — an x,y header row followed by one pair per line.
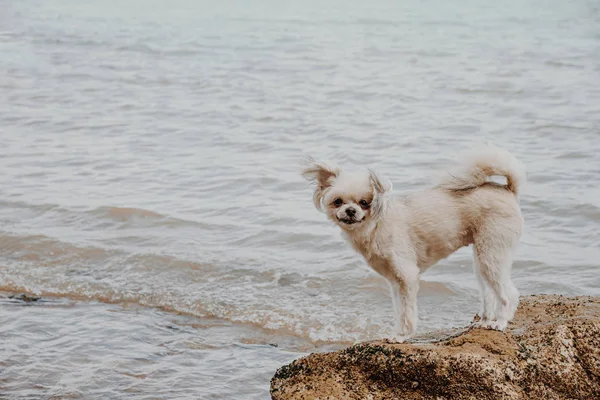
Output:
x,y
55,347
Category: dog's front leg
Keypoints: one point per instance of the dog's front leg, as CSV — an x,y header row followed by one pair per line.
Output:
x,y
404,285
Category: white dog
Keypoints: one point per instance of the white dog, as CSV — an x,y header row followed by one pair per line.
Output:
x,y
401,237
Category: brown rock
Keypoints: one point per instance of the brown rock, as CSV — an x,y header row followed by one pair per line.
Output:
x,y
550,351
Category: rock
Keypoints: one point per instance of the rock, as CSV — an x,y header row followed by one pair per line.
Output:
x,y
550,351
24,297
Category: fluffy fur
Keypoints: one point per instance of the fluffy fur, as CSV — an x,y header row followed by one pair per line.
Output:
x,y
400,237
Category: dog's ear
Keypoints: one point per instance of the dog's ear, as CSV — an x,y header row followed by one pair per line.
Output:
x,y
379,185
323,175
380,198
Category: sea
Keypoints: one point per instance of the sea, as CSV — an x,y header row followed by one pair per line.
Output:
x,y
157,240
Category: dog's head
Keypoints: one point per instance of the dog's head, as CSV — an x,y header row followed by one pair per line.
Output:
x,y
351,200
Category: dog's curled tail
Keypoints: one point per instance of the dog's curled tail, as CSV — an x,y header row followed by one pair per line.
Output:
x,y
481,163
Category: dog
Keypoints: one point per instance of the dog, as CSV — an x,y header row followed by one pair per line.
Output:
x,y
400,237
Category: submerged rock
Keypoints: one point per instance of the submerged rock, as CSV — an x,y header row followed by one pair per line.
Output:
x,y
550,351
24,297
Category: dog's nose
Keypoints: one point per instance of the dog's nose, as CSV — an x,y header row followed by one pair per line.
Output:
x,y
351,212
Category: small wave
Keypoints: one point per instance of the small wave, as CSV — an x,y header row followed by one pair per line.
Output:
x,y
125,213
137,47
40,265
34,207
587,210
69,41
90,218
227,290
60,298
160,50
45,251
131,216
432,288
563,64
574,155
426,287
556,126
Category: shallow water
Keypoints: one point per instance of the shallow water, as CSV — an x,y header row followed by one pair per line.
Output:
x,y
150,184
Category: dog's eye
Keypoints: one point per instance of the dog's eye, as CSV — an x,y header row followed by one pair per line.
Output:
x,y
338,202
364,204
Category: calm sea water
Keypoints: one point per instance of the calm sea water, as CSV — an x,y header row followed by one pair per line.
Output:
x,y
150,187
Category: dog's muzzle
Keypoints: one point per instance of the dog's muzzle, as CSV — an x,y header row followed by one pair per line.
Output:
x,y
349,221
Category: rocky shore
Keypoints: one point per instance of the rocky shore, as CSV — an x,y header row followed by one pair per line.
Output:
x,y
550,351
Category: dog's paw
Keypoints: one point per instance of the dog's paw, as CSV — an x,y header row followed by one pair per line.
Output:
x,y
482,324
492,325
498,325
396,339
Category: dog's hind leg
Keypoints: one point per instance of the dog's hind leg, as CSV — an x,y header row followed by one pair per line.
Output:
x,y
487,312
494,259
513,297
